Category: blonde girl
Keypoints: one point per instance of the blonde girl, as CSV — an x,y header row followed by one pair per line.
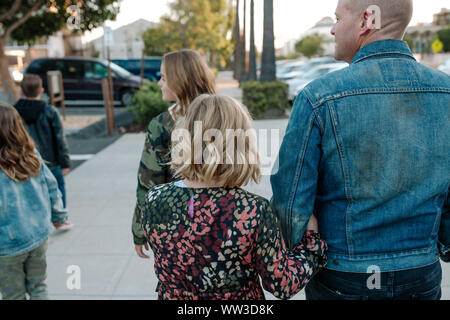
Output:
x,y
211,239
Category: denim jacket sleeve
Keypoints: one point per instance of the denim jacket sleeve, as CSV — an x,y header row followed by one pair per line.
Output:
x,y
59,213
294,185
444,231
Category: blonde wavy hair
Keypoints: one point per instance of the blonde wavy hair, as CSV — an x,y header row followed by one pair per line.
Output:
x,y
187,76
216,142
17,150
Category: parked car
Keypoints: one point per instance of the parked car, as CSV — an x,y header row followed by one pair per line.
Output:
x,y
286,69
152,67
445,67
296,85
299,70
82,79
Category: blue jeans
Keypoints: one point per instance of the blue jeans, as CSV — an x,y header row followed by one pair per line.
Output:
x,y
414,284
57,172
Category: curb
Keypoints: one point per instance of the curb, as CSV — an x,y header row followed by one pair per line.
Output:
x,y
121,118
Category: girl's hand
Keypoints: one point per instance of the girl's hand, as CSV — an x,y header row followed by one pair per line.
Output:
x,y
313,225
140,251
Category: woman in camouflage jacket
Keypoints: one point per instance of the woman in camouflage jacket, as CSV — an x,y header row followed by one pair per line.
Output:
x,y
184,76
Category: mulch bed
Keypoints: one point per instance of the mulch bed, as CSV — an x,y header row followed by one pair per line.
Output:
x,y
133,128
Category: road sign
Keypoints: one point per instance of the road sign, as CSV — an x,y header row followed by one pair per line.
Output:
x,y
108,37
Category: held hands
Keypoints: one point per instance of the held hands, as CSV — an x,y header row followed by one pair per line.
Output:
x,y
65,171
140,251
313,225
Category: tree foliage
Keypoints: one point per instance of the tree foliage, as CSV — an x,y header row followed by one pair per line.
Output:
x,y
444,37
50,16
310,46
26,21
202,25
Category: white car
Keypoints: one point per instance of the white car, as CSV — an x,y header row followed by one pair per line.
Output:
x,y
287,69
445,67
297,84
299,70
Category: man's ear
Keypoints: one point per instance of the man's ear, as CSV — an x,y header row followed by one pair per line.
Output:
x,y
365,23
42,90
370,20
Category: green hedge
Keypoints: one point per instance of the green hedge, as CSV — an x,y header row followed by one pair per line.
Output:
x,y
148,103
259,97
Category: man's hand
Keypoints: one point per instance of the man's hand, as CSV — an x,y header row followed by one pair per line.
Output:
x,y
313,224
140,251
65,171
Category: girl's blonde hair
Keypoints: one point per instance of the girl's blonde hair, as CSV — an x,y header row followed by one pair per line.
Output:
x,y
17,150
216,142
187,76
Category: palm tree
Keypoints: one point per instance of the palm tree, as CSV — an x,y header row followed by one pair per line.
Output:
x,y
268,69
243,58
237,44
252,66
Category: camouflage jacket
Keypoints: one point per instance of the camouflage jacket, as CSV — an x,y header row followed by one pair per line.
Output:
x,y
153,168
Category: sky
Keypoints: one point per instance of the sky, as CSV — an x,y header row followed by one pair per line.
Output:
x,y
291,17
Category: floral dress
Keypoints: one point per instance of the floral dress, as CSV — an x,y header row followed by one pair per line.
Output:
x,y
218,249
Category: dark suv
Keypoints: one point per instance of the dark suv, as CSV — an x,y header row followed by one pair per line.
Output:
x,y
152,67
82,79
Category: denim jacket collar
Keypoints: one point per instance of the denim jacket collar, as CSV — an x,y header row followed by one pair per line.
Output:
x,y
383,48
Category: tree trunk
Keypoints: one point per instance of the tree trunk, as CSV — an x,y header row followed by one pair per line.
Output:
x,y
237,44
268,69
9,87
252,62
243,59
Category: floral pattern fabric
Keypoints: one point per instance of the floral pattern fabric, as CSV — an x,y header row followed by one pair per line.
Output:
x,y
233,237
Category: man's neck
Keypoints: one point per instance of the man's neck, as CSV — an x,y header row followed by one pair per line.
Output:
x,y
376,37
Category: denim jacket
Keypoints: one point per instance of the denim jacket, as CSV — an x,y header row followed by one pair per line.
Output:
x,y
367,150
27,210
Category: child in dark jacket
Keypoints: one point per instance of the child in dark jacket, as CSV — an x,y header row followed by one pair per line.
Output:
x,y
44,125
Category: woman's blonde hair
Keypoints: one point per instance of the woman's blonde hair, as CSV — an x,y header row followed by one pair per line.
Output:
x,y
187,76
215,142
17,150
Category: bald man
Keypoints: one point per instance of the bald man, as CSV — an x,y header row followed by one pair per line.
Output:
x,y
367,152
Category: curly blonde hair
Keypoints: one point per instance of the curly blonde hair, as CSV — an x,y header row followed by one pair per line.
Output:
x,y
215,142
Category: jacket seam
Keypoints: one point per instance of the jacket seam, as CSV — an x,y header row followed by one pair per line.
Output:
x,y
386,53
297,176
319,122
398,254
350,93
348,193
